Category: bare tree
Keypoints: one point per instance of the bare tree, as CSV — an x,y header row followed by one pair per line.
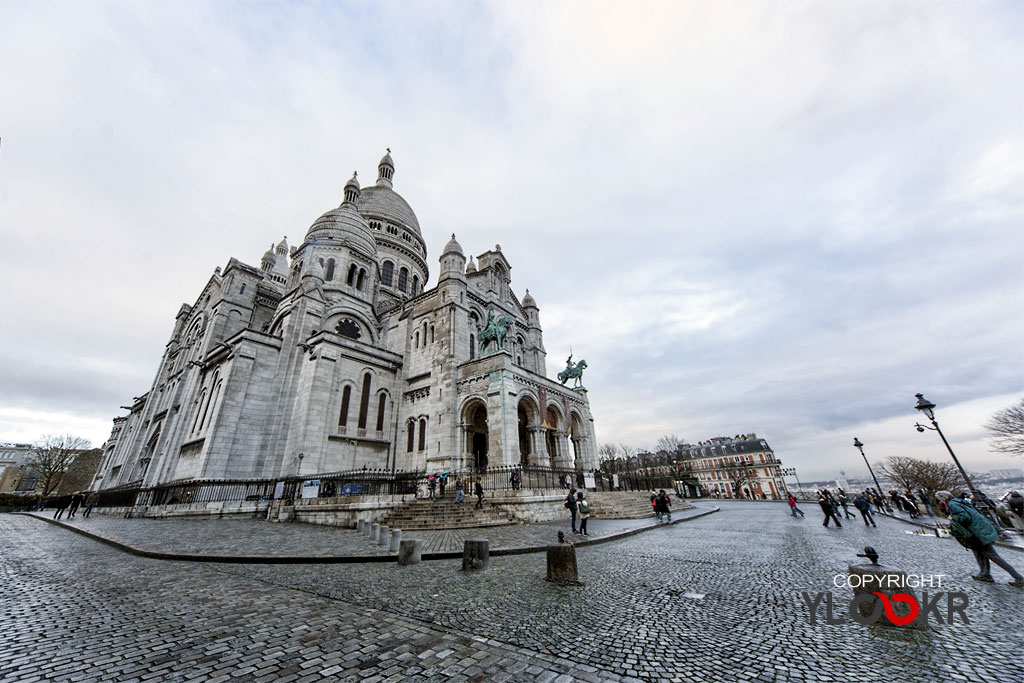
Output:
x,y
668,442
51,456
1006,427
912,474
740,474
606,452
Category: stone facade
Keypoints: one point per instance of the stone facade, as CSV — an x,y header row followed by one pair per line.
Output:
x,y
715,463
332,356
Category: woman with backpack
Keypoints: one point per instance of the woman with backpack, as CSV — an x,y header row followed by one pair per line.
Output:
x,y
970,528
583,507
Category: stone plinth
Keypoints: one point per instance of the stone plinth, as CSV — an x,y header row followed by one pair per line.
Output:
x,y
410,551
384,537
396,539
562,564
868,579
374,532
475,554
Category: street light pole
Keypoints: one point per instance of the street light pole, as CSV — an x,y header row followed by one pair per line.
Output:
x,y
878,487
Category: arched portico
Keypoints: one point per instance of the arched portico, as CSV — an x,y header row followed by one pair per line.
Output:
x,y
529,431
476,442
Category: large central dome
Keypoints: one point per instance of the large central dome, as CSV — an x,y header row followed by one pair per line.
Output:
x,y
382,202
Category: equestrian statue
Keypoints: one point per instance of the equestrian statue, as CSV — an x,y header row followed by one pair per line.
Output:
x,y
573,372
494,331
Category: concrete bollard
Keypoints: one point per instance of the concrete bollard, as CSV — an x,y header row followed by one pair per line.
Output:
x,y
868,579
475,554
396,539
409,551
366,528
385,535
361,525
562,564
374,532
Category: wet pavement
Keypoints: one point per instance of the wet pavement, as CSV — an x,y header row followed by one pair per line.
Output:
x,y
713,599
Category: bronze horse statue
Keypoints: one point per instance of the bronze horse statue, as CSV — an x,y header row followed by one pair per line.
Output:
x,y
573,372
494,331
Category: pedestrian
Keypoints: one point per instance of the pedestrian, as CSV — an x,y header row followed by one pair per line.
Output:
x,y
584,509
665,505
828,509
442,482
515,479
571,506
910,503
845,502
654,505
926,500
861,503
431,485
976,533
793,508
76,502
61,504
478,489
459,493
90,503
1015,502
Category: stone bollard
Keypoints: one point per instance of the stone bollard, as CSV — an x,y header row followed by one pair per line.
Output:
x,y
562,563
385,535
869,578
475,554
396,539
366,528
361,526
409,551
374,532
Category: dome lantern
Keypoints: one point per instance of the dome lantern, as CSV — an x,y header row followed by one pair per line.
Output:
x,y
352,189
386,170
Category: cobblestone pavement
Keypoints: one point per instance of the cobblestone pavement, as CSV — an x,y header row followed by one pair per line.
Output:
x,y
77,610
714,599
255,537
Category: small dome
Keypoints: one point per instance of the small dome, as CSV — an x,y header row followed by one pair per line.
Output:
x,y
453,247
385,170
268,255
344,224
471,266
528,301
282,246
352,189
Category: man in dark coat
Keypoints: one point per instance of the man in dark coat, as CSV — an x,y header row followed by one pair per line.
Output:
x,y
983,535
570,505
862,504
829,510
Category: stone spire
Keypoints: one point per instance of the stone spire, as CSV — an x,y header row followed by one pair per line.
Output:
x,y
351,189
386,170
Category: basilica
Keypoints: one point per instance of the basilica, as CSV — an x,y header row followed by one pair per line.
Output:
x,y
335,355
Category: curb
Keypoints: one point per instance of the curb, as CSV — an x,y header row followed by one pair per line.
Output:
x,y
336,559
1001,544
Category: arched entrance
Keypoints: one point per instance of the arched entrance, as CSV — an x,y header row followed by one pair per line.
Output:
x,y
576,436
553,423
475,422
528,419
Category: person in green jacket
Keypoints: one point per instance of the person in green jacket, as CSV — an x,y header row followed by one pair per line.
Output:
x,y
983,534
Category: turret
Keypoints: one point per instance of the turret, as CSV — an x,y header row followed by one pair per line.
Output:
x,y
453,260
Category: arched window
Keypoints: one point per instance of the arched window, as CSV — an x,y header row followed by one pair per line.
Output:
x,y
386,273
199,410
431,334
415,283
361,279
346,398
329,275
403,279
424,332
212,402
417,339
423,434
412,435
381,402
351,275
364,401
472,347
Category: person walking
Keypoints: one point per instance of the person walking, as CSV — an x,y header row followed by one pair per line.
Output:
x,y
845,502
478,489
1015,502
459,493
431,485
862,504
76,502
793,508
976,533
61,504
664,506
442,481
926,500
654,505
584,509
829,510
571,506
90,503
516,479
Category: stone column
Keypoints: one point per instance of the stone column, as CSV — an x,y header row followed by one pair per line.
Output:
x,y
410,551
385,535
396,540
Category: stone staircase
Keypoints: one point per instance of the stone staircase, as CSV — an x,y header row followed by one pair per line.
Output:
x,y
445,513
627,504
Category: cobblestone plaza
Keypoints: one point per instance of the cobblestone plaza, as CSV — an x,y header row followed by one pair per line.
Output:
x,y
716,598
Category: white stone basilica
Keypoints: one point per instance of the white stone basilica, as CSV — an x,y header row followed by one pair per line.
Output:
x,y
334,356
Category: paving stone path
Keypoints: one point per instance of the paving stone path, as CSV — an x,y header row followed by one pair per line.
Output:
x,y
713,599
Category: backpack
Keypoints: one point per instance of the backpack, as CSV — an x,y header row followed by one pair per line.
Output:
x,y
962,535
584,507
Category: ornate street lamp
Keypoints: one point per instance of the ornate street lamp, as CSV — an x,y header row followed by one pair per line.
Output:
x,y
878,487
927,408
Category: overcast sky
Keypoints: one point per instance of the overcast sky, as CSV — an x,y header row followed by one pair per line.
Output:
x,y
777,217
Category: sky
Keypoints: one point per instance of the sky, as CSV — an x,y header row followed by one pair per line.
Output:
x,y
781,218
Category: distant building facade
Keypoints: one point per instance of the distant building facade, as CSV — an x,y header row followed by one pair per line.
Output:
x,y
743,466
333,355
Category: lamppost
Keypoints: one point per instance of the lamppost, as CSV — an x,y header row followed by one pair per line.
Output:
x,y
980,500
878,487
